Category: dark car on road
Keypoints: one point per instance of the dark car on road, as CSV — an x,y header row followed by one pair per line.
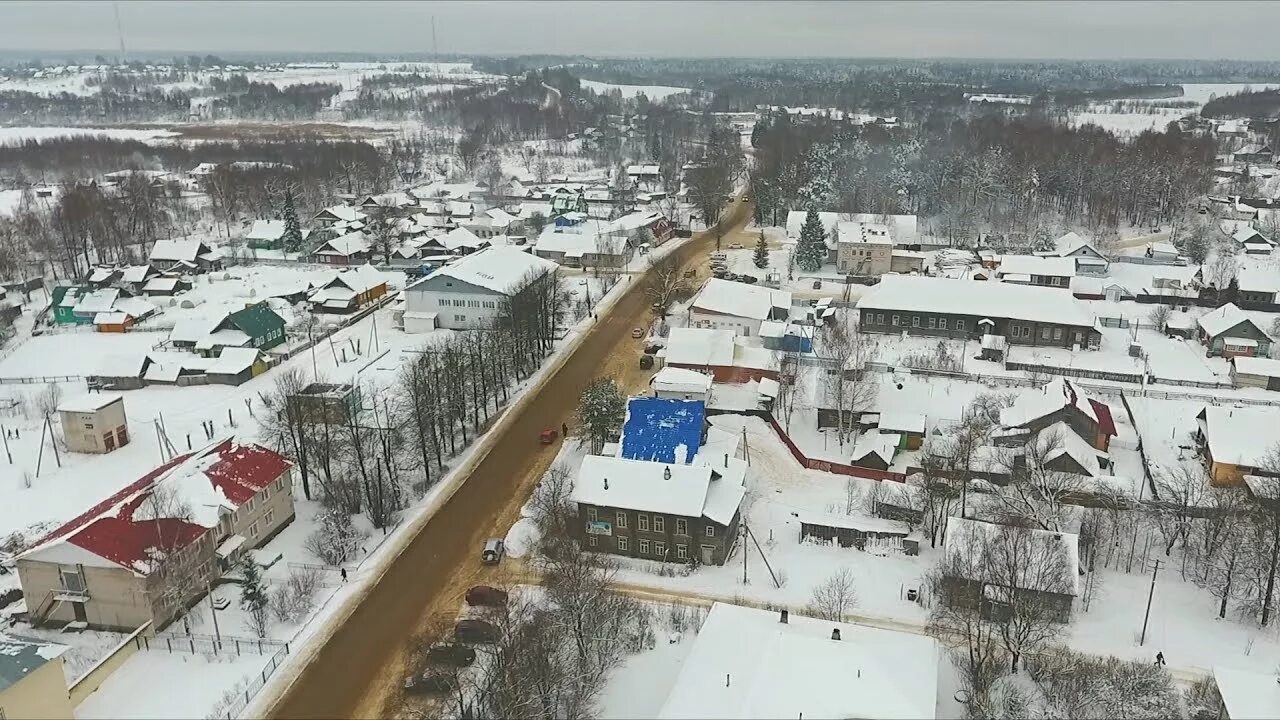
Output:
x,y
428,683
475,631
486,596
451,654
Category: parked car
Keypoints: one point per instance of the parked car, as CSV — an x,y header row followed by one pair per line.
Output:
x,y
690,273
817,284
493,551
486,596
637,332
446,653
475,631
720,274
646,362
652,349
429,683
748,279
735,246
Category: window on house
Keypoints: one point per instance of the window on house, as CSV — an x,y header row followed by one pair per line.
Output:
x,y
933,323
894,320
592,514
623,543
642,522
1057,334
644,547
942,323
659,523
1079,339
660,549
1044,333
711,531
592,541
621,519
915,321
460,318
682,552
269,517
960,325
682,527
253,530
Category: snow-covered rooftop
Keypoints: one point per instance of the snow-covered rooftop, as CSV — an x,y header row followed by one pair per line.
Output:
x,y
177,250
1265,367
872,442
725,297
977,298
682,380
700,347
89,402
266,230
1240,436
1222,319
1036,265
345,245
655,487
1248,695
500,269
746,663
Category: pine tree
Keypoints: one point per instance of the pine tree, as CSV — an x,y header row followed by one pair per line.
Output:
x,y
761,256
601,411
292,228
811,251
254,599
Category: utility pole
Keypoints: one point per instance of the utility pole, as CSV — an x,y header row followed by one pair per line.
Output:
x,y
213,610
1150,594
744,553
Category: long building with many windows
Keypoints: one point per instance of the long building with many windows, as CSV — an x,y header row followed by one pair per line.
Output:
x,y
942,307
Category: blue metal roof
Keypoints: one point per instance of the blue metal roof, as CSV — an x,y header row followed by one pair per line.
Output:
x,y
656,428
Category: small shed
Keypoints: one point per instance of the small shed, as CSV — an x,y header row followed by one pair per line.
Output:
x,y
236,365
1255,372
863,533
94,423
908,425
329,402
875,450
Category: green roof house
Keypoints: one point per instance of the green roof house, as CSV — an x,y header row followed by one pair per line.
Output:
x,y
256,326
65,298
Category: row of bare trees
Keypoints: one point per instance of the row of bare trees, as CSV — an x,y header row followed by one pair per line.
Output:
x,y
368,454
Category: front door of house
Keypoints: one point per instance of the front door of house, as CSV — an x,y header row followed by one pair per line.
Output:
x,y
708,554
78,609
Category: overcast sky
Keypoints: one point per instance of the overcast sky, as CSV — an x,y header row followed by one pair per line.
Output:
x,y
1235,30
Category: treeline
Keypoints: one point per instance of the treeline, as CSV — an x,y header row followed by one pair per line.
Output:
x,y
150,104
1244,104
1077,98
241,98
987,173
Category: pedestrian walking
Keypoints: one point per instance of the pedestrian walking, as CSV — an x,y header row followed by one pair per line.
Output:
x,y
343,573
564,429
1160,658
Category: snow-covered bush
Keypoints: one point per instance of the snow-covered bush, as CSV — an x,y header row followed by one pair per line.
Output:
x,y
1079,686
293,600
336,539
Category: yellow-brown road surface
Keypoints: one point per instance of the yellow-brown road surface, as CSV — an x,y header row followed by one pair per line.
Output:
x,y
355,666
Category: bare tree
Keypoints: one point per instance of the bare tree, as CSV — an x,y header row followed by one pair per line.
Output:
x,y
834,598
666,282
1038,492
1223,537
1159,316
850,388
1181,492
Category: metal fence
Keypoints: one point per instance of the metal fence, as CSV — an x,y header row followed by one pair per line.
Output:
x,y
209,644
255,686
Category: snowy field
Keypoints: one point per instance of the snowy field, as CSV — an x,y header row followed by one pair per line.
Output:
x,y
157,684
1128,124
653,92
16,135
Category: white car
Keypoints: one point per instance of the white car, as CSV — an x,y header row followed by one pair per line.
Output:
x,y
735,246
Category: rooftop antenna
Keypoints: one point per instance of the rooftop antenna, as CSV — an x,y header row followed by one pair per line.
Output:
x,y
119,32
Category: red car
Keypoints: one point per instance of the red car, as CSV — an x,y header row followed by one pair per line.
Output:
x,y
486,596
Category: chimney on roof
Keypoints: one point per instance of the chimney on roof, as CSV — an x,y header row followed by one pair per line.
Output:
x,y
606,483
666,473
782,617
835,633
726,459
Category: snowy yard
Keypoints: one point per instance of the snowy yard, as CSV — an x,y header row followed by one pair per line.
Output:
x,y
157,684
653,92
